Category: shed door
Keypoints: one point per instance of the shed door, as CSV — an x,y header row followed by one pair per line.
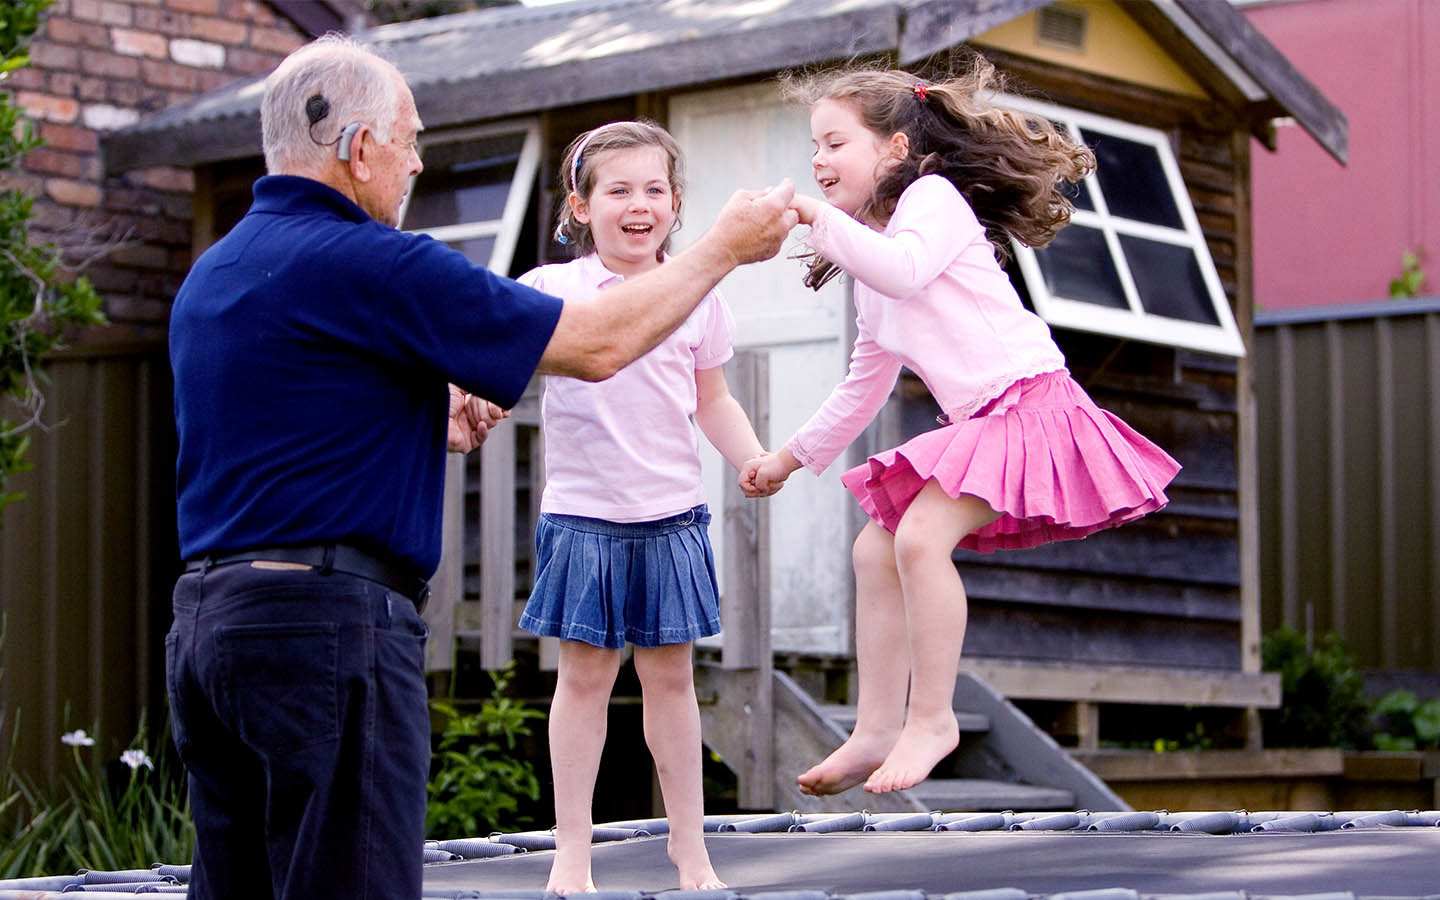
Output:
x,y
748,137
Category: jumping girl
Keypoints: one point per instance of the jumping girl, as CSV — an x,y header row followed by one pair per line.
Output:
x,y
923,183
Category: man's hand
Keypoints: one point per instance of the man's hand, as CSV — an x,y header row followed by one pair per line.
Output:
x,y
471,419
754,224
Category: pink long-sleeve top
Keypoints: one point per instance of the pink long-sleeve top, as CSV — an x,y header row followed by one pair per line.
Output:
x,y
929,296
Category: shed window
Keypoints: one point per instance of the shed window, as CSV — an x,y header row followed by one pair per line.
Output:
x,y
1133,262
474,190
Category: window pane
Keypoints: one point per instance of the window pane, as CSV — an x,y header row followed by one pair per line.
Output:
x,y
1079,194
1168,280
1132,180
1077,266
477,250
464,182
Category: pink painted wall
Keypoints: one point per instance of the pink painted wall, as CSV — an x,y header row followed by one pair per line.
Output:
x,y
1326,233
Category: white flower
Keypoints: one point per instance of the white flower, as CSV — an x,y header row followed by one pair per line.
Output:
x,y
136,758
77,738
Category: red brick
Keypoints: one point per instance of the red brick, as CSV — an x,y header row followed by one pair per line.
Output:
x,y
109,65
162,20
167,74
67,31
92,88
27,79
178,206
85,10
144,256
221,31
48,106
168,179
207,7
114,13
131,42
113,279
46,161
250,11
14,180
210,79
72,193
275,40
249,62
69,137
46,55
48,216
135,95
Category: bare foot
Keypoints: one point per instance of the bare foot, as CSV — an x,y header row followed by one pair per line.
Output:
x,y
851,763
922,744
570,872
692,861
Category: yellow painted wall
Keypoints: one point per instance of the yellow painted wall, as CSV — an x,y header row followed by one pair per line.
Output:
x,y
1115,46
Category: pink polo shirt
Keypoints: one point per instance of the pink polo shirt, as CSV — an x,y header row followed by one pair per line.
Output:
x,y
626,448
929,296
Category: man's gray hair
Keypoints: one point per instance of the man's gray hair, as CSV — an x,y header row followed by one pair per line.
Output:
x,y
357,85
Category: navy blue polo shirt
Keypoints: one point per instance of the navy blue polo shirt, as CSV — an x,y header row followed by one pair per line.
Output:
x,y
311,348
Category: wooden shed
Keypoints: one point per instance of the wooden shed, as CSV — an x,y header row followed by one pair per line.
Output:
x,y
1148,293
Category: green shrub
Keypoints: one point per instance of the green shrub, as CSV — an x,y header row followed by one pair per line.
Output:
x,y
1323,700
1406,723
476,780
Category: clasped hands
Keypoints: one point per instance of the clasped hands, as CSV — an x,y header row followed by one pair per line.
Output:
x,y
471,419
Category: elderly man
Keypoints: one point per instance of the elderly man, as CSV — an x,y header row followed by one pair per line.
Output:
x,y
312,347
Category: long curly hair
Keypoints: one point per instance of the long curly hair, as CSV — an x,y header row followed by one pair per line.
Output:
x,y
1008,165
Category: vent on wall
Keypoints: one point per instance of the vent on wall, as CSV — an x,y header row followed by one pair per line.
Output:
x,y
1061,26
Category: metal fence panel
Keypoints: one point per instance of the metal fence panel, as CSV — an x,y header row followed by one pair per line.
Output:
x,y
1349,432
87,559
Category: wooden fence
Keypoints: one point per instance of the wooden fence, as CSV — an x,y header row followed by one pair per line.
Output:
x,y
1349,431
88,558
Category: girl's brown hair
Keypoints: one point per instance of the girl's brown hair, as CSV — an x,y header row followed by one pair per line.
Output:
x,y
577,174
1007,165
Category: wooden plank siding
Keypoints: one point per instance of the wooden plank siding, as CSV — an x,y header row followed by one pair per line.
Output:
x,y
88,559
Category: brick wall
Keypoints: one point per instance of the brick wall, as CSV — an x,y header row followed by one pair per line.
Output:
x,y
102,64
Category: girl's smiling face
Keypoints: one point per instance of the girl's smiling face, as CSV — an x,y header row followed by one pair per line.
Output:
x,y
848,156
631,208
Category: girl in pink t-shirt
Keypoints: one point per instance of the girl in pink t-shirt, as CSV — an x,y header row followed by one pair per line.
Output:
x,y
923,183
623,554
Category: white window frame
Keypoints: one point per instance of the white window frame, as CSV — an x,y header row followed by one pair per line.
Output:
x,y
506,229
1134,322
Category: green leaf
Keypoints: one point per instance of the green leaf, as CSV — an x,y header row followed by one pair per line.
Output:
x,y
1427,724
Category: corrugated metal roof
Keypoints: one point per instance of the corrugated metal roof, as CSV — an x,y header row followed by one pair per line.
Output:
x,y
514,60
1219,855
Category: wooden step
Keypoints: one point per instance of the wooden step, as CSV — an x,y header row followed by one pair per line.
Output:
x,y
844,716
979,794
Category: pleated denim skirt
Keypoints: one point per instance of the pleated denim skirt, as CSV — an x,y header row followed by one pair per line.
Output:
x,y
605,583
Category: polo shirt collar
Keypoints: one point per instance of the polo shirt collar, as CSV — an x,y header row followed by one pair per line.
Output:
x,y
597,275
292,194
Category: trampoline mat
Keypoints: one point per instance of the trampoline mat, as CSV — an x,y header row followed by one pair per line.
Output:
x,y
1378,862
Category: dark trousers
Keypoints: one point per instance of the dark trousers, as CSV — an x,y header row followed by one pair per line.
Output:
x,y
298,705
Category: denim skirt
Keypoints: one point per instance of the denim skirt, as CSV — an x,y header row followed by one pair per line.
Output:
x,y
605,583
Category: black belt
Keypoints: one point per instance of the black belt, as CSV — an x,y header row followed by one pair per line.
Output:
x,y
327,558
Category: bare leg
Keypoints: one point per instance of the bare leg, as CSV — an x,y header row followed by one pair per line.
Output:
x,y
672,731
883,660
935,617
578,717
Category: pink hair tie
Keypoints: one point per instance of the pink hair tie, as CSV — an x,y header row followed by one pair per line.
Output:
x,y
921,91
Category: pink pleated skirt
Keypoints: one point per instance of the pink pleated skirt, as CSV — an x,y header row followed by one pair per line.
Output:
x,y
1043,455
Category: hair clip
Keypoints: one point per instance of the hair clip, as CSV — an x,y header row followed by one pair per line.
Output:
x,y
921,91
